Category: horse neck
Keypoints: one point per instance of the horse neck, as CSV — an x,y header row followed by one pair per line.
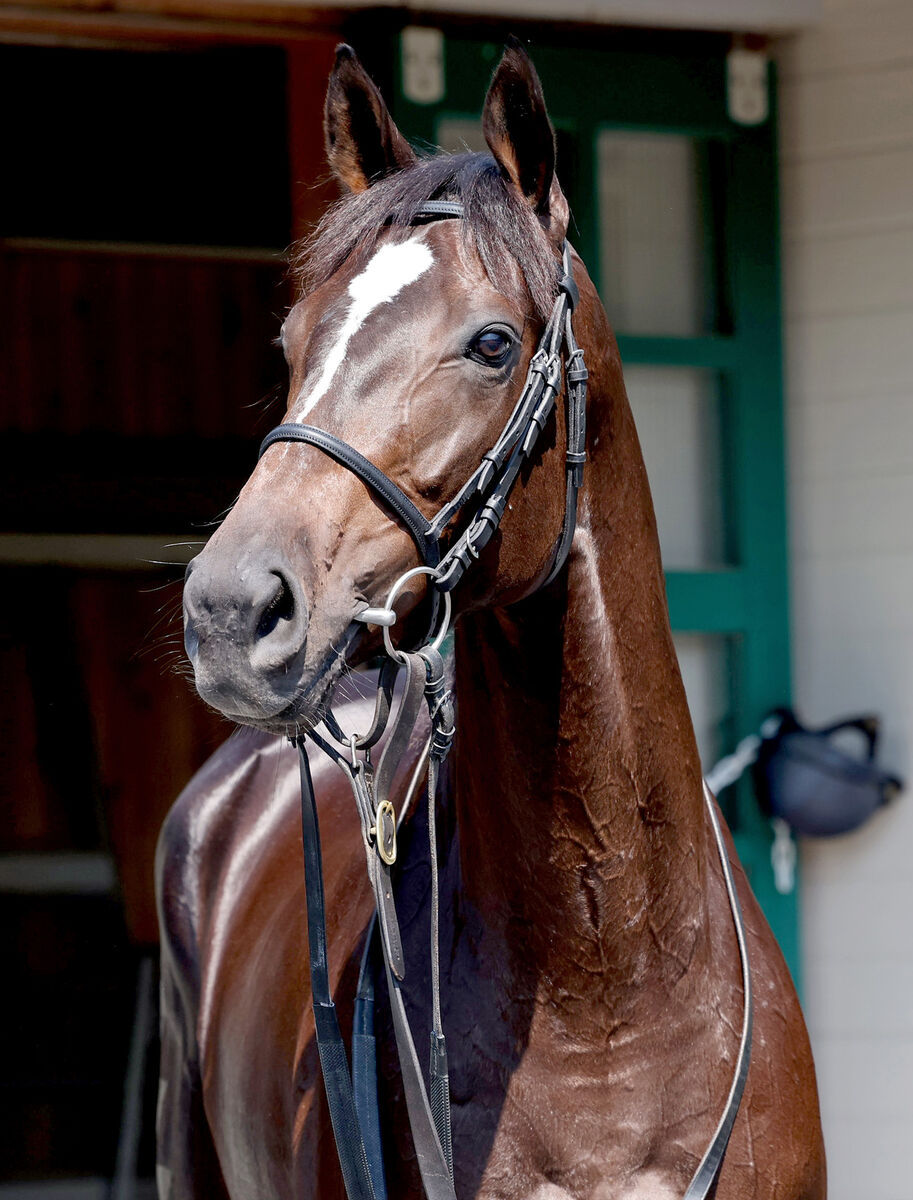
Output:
x,y
577,777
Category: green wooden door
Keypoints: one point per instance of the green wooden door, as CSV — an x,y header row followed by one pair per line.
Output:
x,y
675,212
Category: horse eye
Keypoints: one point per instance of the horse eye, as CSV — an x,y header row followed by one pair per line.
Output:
x,y
491,346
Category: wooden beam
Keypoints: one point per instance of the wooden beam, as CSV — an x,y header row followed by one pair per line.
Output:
x,y
758,16
143,26
93,551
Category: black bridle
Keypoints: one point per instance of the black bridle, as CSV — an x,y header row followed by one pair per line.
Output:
x,y
353,1100
496,474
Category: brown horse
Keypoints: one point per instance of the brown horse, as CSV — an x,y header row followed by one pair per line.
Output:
x,y
591,981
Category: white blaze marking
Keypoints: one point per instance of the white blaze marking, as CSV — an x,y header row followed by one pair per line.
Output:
x,y
391,269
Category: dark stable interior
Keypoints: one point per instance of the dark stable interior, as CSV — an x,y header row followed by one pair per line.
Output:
x,y
143,218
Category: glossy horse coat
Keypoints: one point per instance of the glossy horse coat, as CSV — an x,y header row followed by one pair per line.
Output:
x,y
591,984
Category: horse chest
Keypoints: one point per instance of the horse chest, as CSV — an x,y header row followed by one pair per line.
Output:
x,y
561,1128
538,1113
554,1145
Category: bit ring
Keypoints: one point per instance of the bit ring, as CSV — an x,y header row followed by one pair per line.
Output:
x,y
436,643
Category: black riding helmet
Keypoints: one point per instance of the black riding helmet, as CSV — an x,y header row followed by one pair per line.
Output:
x,y
820,789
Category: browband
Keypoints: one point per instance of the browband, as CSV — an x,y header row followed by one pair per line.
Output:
x,y
439,208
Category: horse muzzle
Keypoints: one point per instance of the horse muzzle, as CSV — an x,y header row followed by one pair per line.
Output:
x,y
245,632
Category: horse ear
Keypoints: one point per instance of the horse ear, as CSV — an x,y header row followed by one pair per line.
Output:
x,y
520,136
362,142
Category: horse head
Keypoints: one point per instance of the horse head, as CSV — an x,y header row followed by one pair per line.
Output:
x,y
411,341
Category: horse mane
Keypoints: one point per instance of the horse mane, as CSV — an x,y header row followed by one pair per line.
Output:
x,y
502,227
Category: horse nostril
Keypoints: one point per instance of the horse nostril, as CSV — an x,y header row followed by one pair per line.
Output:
x,y
281,607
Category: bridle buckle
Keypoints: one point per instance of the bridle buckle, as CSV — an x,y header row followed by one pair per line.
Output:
x,y
383,831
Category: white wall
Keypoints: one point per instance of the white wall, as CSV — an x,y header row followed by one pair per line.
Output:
x,y
753,16
847,154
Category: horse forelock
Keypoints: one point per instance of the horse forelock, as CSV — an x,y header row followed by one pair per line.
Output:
x,y
499,225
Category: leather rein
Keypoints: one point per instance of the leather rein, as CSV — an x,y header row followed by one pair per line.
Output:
x,y
353,1099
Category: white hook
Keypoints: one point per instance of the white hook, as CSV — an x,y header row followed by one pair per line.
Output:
x,y
377,616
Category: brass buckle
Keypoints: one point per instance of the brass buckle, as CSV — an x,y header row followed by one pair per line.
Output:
x,y
384,832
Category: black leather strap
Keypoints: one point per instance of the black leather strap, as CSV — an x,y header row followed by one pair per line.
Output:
x,y
404,725
575,375
352,1108
383,701
438,208
364,1044
364,1065
343,453
708,1169
382,885
432,1162
331,1048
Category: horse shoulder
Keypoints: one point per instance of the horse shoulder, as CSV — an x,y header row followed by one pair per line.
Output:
x,y
195,846
188,1164
236,1018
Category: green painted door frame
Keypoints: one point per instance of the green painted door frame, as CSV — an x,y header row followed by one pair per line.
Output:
x,y
658,84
